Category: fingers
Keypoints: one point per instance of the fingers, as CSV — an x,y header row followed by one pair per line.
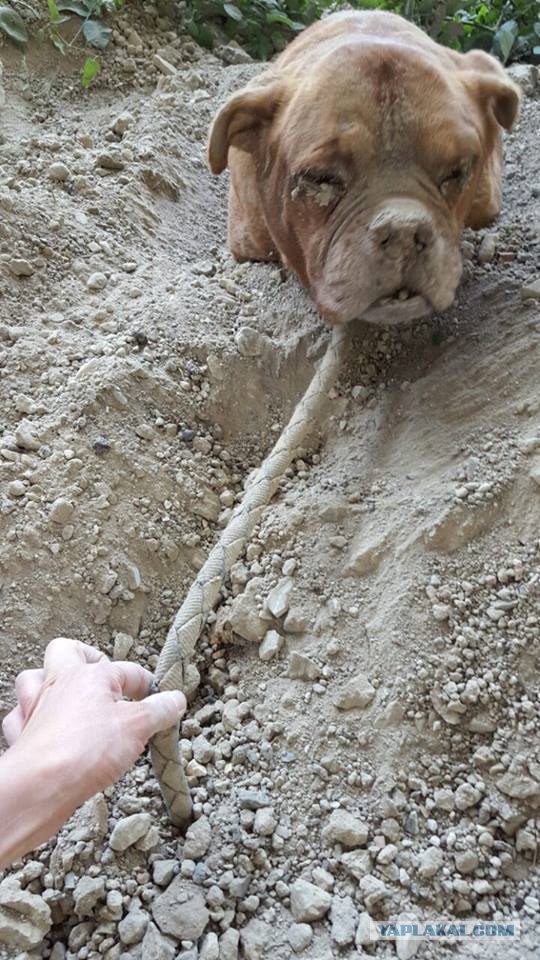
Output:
x,y
27,688
158,712
62,653
12,725
133,681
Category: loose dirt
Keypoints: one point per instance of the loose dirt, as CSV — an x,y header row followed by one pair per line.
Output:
x,y
383,742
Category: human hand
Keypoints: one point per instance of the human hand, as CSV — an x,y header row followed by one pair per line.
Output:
x,y
72,718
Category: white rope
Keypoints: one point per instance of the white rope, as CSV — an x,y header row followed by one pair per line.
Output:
x,y
202,596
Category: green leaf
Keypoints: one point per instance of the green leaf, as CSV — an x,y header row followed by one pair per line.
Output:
x,y
506,37
12,25
275,16
537,29
58,41
54,13
233,12
96,33
72,6
90,70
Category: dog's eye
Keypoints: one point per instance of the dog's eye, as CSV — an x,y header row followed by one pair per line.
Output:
x,y
456,180
320,187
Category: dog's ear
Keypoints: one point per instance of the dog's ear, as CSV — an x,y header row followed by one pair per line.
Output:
x,y
488,82
243,115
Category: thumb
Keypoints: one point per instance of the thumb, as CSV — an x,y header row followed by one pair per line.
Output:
x,y
161,711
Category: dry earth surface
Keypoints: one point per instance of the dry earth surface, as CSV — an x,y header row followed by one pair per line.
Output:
x,y
365,737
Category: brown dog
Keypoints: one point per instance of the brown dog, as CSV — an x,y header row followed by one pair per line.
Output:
x,y
357,158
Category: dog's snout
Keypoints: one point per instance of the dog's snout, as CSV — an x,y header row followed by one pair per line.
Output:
x,y
402,229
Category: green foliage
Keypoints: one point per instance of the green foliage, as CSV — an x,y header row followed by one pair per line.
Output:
x,y
13,25
90,71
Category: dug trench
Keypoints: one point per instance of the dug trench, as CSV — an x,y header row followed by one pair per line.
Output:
x,y
364,739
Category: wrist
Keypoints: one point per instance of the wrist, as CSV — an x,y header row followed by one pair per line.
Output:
x,y
37,795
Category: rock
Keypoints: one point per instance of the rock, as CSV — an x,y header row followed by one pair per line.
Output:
x,y
441,611
265,822
243,615
300,936
255,937
531,290
250,342
406,946
228,945
111,159
20,267
198,839
487,248
366,553
373,890
132,928
123,643
87,893
525,75
96,281
25,918
253,799
357,693
233,53
277,601
357,863
430,862
346,829
163,871
155,946
271,645
16,489
207,506
466,861
466,796
25,438
231,717
343,916
209,949
295,621
308,902
203,751
58,171
129,831
180,911
122,123
303,668
164,67
518,786
366,932
61,511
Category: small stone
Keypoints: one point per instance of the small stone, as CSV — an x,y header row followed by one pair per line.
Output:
x,y
531,290
132,928
308,902
180,911
373,890
431,861
61,511
209,949
243,615
265,822
366,932
534,473
156,946
111,159
122,646
250,342
25,438
303,668
357,693
122,123
406,946
466,796
441,611
278,599
25,918
357,863
346,829
228,944
300,936
198,839
58,171
163,871
16,489
466,861
295,621
87,893
343,917
487,248
164,67
96,281
253,799
270,646
144,431
20,267
129,830
255,937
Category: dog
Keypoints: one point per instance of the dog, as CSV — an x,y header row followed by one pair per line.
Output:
x,y
357,158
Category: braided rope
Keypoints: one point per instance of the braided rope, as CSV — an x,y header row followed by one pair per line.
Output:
x,y
202,596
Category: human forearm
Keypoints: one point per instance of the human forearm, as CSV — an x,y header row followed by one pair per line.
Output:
x,y
34,801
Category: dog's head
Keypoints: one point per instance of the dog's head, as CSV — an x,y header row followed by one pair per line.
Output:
x,y
368,165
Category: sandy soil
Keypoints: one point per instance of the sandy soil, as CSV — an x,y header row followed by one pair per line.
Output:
x,y
143,375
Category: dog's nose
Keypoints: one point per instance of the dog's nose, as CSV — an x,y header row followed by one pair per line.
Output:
x,y
402,228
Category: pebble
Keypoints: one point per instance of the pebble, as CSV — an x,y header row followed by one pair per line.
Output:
x,y
25,437
366,932
61,511
357,693
430,862
198,839
302,668
265,822
180,911
250,342
300,936
132,928
96,281
164,67
346,829
487,248
209,948
255,937
156,946
308,902
243,615
87,893
129,830
531,290
15,489
58,171
278,599
20,267
25,918
270,646
163,871
343,917
466,861
228,944
122,646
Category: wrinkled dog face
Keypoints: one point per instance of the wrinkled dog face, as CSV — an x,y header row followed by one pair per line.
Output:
x,y
365,173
